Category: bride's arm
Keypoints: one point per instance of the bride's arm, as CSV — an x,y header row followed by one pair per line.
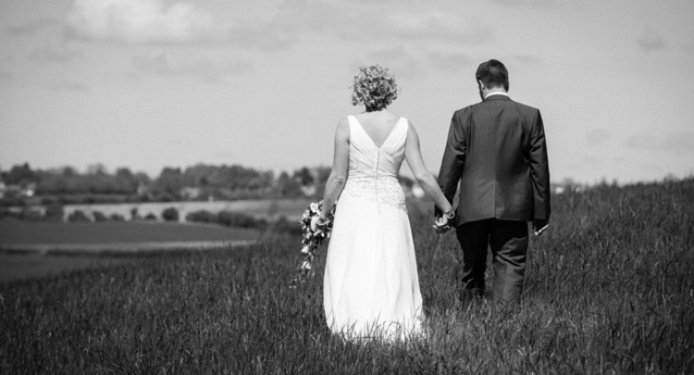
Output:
x,y
423,177
338,174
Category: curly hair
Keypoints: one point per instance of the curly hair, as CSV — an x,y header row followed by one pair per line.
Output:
x,y
375,87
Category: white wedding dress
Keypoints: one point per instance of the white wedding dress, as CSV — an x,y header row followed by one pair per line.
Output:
x,y
371,287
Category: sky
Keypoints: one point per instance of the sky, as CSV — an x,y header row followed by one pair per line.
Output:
x,y
152,83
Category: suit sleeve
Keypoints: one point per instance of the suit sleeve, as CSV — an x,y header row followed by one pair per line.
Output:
x,y
453,160
539,169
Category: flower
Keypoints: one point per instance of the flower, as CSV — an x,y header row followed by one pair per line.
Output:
x,y
313,236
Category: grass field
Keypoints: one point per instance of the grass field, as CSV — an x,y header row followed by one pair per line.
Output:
x,y
16,266
22,232
609,290
31,249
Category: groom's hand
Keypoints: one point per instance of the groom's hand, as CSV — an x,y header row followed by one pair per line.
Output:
x,y
441,224
539,226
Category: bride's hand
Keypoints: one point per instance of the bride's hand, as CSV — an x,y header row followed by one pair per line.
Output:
x,y
442,223
318,222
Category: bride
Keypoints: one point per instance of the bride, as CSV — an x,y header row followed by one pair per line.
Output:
x,y
371,287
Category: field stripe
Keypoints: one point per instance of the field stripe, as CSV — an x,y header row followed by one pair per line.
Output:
x,y
123,248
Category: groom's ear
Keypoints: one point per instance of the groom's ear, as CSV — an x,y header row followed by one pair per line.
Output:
x,y
480,84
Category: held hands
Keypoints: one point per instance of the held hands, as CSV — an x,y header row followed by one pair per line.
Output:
x,y
443,223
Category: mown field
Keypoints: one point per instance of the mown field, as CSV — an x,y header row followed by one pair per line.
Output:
x,y
22,232
609,290
31,249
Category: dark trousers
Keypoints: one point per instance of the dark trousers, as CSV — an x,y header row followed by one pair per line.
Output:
x,y
509,244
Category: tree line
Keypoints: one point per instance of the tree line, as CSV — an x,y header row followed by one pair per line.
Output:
x,y
199,182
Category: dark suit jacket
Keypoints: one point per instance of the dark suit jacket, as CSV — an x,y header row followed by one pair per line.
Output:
x,y
497,150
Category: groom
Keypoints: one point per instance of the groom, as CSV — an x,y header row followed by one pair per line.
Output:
x,y
496,149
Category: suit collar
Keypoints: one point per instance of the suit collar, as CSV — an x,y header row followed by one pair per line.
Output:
x,y
496,97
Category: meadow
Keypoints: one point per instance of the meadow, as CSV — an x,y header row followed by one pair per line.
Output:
x,y
31,249
270,209
19,233
22,232
609,290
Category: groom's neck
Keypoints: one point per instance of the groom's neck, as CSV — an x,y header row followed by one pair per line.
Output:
x,y
494,90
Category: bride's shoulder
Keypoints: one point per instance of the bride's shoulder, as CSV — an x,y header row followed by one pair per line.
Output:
x,y
343,123
343,129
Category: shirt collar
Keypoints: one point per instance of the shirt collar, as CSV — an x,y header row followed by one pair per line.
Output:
x,y
497,93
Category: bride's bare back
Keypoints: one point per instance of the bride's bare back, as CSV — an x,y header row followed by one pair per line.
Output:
x,y
378,124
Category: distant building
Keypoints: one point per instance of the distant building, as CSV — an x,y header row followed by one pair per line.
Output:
x,y
190,193
17,191
142,189
309,190
29,190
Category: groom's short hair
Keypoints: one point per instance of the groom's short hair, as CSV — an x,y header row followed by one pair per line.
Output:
x,y
493,73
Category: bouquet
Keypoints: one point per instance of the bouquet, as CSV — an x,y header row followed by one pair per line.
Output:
x,y
313,236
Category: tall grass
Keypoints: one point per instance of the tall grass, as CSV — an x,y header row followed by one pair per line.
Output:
x,y
609,290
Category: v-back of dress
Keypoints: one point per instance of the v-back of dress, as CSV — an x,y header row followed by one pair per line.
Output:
x,y
373,170
371,287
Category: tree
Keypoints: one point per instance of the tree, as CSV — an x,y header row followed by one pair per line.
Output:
x,y
78,216
303,176
288,187
99,216
97,169
170,214
323,173
69,172
170,181
125,180
20,175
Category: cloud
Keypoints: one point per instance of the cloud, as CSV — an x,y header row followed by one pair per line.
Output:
x,y
453,62
369,22
404,64
650,40
5,76
33,27
397,59
202,68
591,161
429,25
159,21
54,51
597,136
531,3
139,21
51,45
69,86
267,37
674,142
528,59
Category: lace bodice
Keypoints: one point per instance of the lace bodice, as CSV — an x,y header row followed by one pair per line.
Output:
x,y
373,170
